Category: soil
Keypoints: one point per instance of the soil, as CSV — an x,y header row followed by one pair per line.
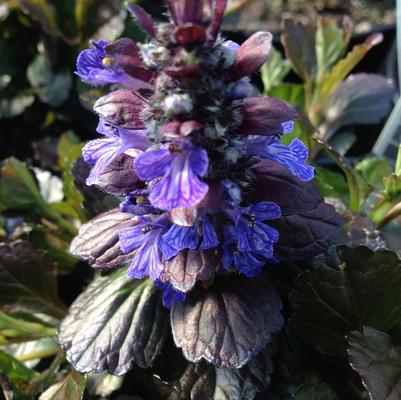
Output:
x,y
267,14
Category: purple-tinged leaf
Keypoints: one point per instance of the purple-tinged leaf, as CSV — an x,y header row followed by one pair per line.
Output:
x,y
122,108
307,225
204,381
299,41
360,99
127,55
190,11
346,289
265,116
251,56
188,266
98,242
119,178
115,323
28,281
143,19
319,391
229,322
378,362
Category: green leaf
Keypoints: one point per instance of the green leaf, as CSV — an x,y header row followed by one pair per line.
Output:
x,y
398,163
115,323
69,150
357,187
378,362
15,370
28,281
18,187
52,87
315,392
330,183
274,70
373,170
292,93
299,44
344,67
13,106
331,43
16,327
40,11
346,289
70,388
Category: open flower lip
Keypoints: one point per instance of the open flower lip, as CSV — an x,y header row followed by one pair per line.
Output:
x,y
200,146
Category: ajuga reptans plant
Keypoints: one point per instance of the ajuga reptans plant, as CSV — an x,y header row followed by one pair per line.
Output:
x,y
211,200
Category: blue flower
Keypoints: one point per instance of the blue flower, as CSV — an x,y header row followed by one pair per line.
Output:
x,y
102,152
95,67
170,295
293,156
137,203
248,240
178,165
201,235
146,239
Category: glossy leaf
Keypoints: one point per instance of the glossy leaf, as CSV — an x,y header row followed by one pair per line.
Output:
x,y
227,323
307,224
28,281
98,242
378,362
188,266
330,183
204,381
70,388
360,99
115,323
346,289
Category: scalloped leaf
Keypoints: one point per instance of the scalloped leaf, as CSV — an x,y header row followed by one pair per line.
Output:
x,y
307,224
98,242
229,322
378,362
346,289
204,381
188,266
115,323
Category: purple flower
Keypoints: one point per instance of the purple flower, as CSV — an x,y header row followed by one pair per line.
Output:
x,y
293,156
137,203
96,67
101,152
170,295
249,241
146,239
178,165
201,235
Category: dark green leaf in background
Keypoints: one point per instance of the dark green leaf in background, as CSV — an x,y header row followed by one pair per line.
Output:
x,y
28,282
319,391
378,362
346,289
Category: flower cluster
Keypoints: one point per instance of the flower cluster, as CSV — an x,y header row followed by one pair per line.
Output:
x,y
191,131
